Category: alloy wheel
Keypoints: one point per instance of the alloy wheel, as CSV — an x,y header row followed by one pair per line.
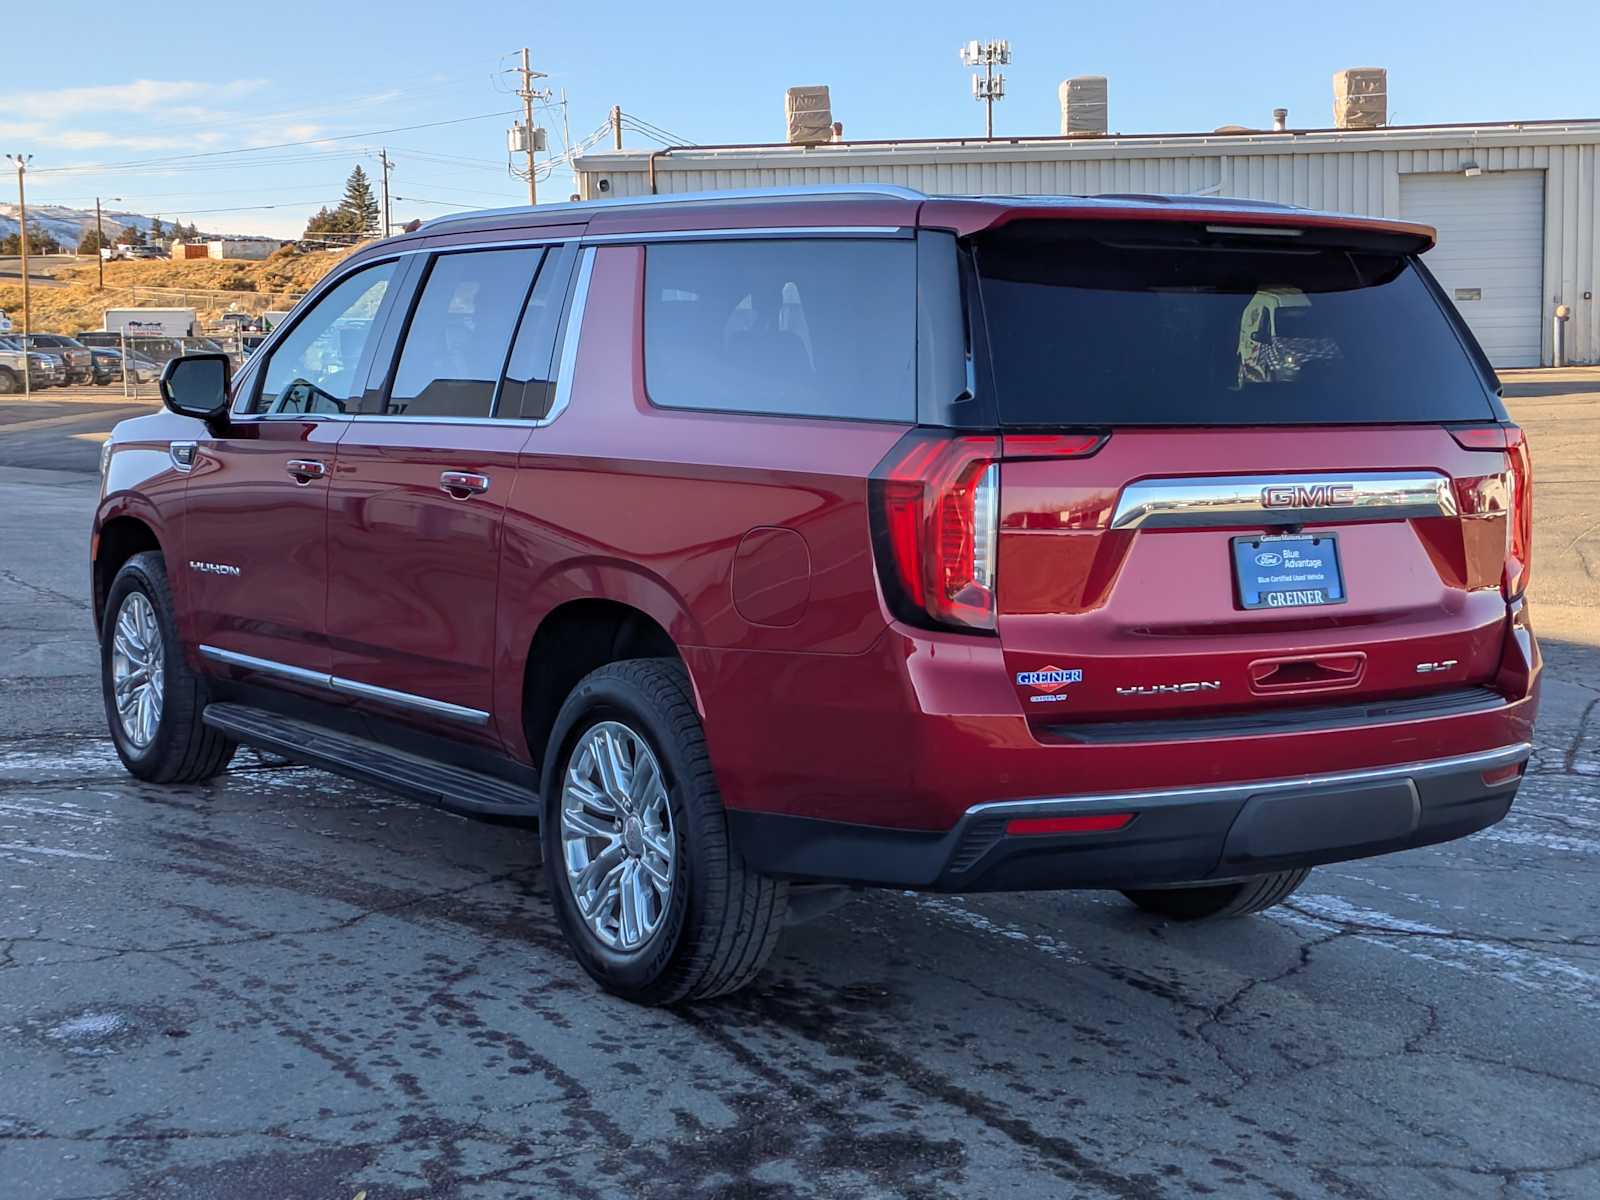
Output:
x,y
616,835
138,671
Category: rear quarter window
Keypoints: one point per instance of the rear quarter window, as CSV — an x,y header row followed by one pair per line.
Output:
x,y
797,327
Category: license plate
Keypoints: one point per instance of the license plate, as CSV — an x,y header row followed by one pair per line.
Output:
x,y
1288,572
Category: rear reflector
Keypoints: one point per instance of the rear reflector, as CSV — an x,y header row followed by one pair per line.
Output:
x,y
1502,774
1097,823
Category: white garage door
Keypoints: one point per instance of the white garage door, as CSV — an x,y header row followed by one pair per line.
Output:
x,y
1490,256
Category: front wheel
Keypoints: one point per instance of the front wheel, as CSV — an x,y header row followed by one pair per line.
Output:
x,y
656,903
9,383
153,700
1207,901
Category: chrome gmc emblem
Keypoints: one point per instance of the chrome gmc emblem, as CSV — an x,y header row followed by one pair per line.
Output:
x,y
1308,495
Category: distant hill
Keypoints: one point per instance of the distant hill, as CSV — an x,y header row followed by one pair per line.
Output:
x,y
68,225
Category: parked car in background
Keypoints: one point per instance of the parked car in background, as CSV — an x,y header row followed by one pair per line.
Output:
x,y
795,541
75,356
109,368
44,369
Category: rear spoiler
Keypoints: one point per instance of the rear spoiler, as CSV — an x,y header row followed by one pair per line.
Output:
x,y
967,217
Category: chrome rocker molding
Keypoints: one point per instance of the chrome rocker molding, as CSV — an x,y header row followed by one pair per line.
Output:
x,y
1486,760
349,687
1238,500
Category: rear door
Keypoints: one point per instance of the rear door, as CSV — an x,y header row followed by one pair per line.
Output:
x,y
1266,503
258,495
422,481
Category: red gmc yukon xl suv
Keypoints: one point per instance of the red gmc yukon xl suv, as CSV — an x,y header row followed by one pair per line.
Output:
x,y
761,545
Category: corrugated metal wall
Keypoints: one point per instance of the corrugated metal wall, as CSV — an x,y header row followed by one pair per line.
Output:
x,y
1356,180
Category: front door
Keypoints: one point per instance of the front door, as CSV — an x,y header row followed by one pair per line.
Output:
x,y
258,494
418,499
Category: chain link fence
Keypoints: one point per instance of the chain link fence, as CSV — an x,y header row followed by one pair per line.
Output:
x,y
132,363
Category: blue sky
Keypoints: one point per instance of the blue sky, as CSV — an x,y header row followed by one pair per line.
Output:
x,y
284,72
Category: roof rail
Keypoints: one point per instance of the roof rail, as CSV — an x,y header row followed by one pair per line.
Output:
x,y
820,191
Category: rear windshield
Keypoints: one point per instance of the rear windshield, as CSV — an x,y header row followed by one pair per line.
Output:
x,y
1188,328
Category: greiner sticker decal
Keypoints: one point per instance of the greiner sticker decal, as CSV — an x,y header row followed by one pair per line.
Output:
x,y
1048,681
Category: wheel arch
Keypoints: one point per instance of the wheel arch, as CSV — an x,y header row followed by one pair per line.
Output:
x,y
117,538
575,638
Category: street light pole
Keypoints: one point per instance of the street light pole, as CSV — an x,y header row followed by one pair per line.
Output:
x,y
22,161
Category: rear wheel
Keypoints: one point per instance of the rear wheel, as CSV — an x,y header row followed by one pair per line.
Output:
x,y
655,901
153,700
1220,899
8,382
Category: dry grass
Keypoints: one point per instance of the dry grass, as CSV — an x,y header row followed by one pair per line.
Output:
x,y
215,287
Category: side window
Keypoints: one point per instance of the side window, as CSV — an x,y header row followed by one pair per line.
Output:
x,y
801,327
313,370
531,371
460,333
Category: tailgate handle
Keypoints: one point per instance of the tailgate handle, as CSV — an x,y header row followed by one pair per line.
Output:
x,y
1321,672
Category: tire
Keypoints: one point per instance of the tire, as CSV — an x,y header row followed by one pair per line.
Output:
x,y
9,383
1220,899
719,920
178,748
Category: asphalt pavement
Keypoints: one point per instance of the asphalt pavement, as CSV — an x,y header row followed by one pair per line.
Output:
x,y
283,985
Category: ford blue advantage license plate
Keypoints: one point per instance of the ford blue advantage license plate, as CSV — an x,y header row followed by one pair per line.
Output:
x,y
1288,572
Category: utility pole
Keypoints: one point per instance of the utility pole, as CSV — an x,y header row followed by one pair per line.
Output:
x,y
383,157
616,126
527,141
100,242
988,87
22,161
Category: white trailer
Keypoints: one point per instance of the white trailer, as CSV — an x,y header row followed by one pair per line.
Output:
x,y
150,322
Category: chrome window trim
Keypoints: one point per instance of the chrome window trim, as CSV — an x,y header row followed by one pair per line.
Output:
x,y
1221,500
350,687
568,362
759,233
1045,806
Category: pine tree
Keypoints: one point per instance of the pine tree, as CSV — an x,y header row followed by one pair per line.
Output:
x,y
156,231
359,206
92,241
131,235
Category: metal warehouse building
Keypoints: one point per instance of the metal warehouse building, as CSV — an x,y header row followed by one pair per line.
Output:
x,y
1514,203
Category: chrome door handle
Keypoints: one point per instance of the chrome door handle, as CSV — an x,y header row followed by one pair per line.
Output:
x,y
462,484
305,470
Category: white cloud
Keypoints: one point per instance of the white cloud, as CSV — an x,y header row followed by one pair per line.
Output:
x,y
141,96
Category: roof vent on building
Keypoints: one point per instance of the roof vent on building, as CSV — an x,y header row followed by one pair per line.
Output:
x,y
809,114
1083,104
1280,120
1361,98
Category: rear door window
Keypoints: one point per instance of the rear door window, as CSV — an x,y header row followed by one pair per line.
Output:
x,y
799,327
456,345
1176,328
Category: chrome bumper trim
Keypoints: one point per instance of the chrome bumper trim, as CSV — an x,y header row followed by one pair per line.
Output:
x,y
1486,760
1324,498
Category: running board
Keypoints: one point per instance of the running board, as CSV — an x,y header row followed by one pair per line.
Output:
x,y
372,762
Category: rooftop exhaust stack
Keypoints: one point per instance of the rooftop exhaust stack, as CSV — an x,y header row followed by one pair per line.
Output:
x,y
809,114
1361,98
1280,120
1083,105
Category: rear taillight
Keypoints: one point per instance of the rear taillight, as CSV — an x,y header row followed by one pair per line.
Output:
x,y
1519,562
1510,441
935,504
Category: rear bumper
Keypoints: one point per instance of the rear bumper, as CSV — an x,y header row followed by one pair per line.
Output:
x,y
1178,835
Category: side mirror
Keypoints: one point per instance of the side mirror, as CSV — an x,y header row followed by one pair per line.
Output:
x,y
196,385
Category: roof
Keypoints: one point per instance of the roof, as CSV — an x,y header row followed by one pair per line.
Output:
x,y
886,206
